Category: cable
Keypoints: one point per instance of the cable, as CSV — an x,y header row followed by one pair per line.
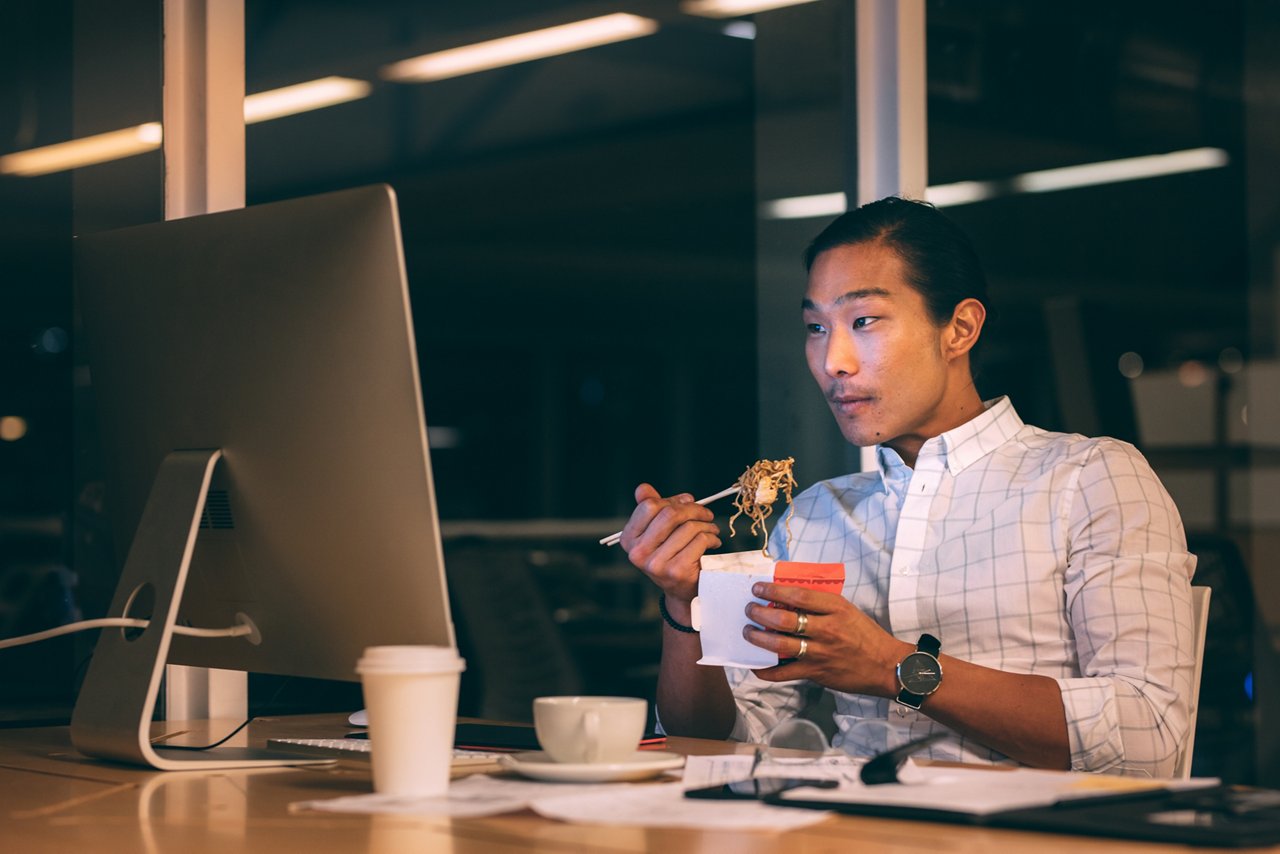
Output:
x,y
124,622
217,743
236,631
227,737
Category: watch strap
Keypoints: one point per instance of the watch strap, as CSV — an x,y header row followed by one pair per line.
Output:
x,y
928,643
910,700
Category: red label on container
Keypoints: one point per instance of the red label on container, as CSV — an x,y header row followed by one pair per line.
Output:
x,y
827,577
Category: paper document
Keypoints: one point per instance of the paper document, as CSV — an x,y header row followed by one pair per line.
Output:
x,y
665,805
635,804
701,772
980,791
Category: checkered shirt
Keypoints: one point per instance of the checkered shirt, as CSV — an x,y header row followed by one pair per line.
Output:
x,y
1022,550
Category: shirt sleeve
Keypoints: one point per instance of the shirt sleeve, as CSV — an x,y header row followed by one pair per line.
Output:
x,y
1128,598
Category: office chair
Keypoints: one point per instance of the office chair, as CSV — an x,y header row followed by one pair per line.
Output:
x,y
1226,724
514,650
1200,621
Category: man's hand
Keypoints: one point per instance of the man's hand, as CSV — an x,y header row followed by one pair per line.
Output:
x,y
844,648
1020,715
666,537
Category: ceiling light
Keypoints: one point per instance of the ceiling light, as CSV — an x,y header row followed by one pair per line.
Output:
x,y
733,8
85,151
301,97
960,193
1042,181
1128,169
524,47
803,207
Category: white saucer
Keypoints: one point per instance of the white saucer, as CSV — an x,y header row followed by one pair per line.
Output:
x,y
640,766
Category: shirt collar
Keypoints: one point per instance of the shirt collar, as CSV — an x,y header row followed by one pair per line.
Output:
x,y
962,446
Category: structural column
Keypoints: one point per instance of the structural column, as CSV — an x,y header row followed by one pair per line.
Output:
x,y
203,173
893,143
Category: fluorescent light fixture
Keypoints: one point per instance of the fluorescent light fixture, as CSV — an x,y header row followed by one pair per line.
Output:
x,y
1128,169
1042,181
104,147
524,47
960,193
804,207
85,151
733,8
301,97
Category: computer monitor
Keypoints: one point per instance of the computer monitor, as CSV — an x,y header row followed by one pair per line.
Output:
x,y
265,453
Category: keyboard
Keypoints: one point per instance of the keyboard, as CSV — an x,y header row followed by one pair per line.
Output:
x,y
358,748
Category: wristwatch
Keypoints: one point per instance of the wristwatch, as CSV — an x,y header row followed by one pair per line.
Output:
x,y
920,673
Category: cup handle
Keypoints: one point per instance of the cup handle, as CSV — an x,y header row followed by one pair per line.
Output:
x,y
591,725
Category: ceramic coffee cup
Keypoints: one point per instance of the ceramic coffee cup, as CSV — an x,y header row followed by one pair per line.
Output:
x,y
590,730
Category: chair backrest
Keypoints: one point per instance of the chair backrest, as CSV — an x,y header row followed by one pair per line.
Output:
x,y
515,651
1199,623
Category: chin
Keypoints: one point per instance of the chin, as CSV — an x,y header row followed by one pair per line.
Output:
x,y
859,437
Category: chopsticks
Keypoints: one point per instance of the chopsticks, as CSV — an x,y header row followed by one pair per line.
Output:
x,y
612,539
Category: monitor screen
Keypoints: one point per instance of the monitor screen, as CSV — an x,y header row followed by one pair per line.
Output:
x,y
281,336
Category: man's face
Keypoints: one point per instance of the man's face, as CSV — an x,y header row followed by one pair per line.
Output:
x,y
873,348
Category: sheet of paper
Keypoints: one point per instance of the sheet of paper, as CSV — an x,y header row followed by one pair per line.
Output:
x,y
473,796
703,771
636,804
666,806
974,790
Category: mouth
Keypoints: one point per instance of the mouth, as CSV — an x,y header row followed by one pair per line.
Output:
x,y
850,404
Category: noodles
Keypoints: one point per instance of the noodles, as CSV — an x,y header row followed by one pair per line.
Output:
x,y
758,490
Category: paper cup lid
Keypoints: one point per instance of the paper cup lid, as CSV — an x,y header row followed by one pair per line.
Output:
x,y
410,659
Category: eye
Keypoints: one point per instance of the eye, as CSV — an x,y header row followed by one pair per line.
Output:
x,y
814,328
864,322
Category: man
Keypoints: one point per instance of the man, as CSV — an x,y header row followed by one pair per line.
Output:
x,y
1051,568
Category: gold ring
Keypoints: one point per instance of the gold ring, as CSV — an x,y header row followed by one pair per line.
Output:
x,y
802,623
804,647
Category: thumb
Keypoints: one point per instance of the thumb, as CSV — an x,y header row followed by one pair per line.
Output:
x,y
644,492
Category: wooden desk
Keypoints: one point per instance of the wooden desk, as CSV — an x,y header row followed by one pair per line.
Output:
x,y
54,800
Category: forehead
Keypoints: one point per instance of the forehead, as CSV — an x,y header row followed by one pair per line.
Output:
x,y
862,271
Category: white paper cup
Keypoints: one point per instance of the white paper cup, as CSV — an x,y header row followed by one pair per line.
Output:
x,y
590,730
411,693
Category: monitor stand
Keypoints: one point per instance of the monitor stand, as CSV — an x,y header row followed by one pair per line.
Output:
x,y
112,717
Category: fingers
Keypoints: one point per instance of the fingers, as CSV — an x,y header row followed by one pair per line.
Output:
x,y
841,647
797,599
656,517
666,538
782,619
644,492
786,646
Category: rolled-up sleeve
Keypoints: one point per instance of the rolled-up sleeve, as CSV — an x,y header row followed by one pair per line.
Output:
x,y
1128,598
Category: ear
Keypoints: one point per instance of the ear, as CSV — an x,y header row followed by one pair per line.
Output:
x,y
964,328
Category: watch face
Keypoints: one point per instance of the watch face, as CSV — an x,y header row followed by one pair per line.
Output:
x,y
919,673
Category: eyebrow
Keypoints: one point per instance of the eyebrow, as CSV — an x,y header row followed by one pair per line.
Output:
x,y
848,296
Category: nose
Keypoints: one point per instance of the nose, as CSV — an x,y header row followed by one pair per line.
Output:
x,y
841,358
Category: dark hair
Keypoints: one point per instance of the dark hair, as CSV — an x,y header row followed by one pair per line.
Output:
x,y
940,261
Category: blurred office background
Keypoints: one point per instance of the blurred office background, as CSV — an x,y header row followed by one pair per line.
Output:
x,y
599,243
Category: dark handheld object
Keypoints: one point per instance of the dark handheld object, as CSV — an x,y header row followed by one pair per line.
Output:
x,y
884,767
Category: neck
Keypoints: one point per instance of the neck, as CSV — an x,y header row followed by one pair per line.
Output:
x,y
957,407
